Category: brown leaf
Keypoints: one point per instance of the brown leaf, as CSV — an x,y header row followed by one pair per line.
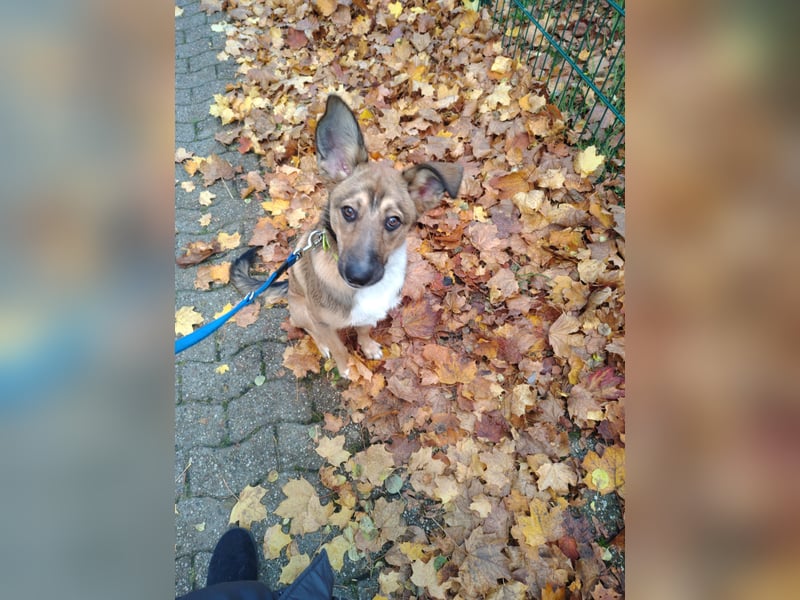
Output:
x,y
419,319
296,38
206,274
448,365
196,252
215,168
560,334
247,315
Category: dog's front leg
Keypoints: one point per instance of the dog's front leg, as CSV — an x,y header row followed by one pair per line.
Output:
x,y
372,349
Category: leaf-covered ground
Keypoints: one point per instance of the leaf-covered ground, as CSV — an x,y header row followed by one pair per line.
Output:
x,y
496,420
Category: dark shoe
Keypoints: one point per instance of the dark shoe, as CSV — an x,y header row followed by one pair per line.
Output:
x,y
235,558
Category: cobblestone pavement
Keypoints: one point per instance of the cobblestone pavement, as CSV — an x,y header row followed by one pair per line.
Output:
x,y
230,432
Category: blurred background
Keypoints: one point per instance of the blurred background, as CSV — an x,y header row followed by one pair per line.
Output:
x,y
86,309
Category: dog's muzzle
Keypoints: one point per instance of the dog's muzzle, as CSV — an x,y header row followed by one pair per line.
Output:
x,y
362,272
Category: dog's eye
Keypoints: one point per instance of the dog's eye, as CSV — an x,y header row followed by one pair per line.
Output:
x,y
392,223
349,213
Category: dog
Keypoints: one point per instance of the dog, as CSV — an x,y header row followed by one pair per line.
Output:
x,y
356,277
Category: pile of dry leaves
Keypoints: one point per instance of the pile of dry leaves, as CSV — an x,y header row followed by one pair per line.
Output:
x,y
497,414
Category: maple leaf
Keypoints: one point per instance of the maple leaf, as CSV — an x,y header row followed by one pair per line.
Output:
x,y
249,508
543,525
247,315
605,474
485,563
205,198
303,507
275,541
424,575
215,168
419,319
297,564
336,549
448,365
302,358
559,335
502,286
587,161
376,463
556,476
187,186
181,154
552,179
206,274
332,449
229,241
186,318
196,252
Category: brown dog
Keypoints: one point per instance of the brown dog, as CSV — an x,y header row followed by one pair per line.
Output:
x,y
355,279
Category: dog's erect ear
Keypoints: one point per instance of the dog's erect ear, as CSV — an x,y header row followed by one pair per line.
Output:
x,y
428,181
340,145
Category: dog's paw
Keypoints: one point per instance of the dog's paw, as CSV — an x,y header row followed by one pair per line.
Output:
x,y
372,350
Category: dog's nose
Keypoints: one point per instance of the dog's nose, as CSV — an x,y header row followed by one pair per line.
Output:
x,y
360,273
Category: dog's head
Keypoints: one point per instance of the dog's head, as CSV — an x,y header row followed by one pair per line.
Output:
x,y
371,206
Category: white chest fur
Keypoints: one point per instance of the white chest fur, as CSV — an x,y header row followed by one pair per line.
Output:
x,y
371,304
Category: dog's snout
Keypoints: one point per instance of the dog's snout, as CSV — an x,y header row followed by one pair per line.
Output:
x,y
362,272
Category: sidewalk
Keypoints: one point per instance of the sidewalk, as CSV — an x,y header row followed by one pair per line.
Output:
x,y
230,432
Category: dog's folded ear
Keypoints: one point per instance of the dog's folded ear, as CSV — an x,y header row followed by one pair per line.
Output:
x,y
340,145
428,181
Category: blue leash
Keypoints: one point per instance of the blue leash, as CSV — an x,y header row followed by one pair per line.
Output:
x,y
187,341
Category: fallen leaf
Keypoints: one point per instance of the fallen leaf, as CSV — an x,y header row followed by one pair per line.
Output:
x,y
588,161
303,507
423,574
222,369
208,274
247,315
605,474
229,241
557,477
249,508
297,564
275,541
206,197
197,252
332,450
186,318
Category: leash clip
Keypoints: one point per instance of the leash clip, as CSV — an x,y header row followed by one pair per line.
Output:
x,y
314,239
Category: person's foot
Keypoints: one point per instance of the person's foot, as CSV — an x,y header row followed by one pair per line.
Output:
x,y
235,558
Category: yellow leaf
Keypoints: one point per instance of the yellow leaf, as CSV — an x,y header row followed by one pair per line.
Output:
x,y
532,102
326,7
191,165
605,474
336,550
200,526
528,202
225,309
471,4
222,369
249,507
552,179
275,541
479,214
178,11
376,462
206,197
205,220
502,65
543,525
303,507
229,241
276,206
499,97
412,550
390,583
186,318
297,564
395,8
332,449
425,576
587,161
187,186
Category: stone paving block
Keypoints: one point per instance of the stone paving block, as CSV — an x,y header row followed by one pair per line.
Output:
x,y
189,113
184,133
181,66
200,523
201,382
203,60
196,78
297,448
191,21
207,129
200,566
183,572
268,403
222,472
199,424
181,462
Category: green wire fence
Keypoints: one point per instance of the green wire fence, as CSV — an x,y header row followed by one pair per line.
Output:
x,y
577,49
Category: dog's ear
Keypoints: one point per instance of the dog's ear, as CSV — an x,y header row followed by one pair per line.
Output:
x,y
340,145
428,181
